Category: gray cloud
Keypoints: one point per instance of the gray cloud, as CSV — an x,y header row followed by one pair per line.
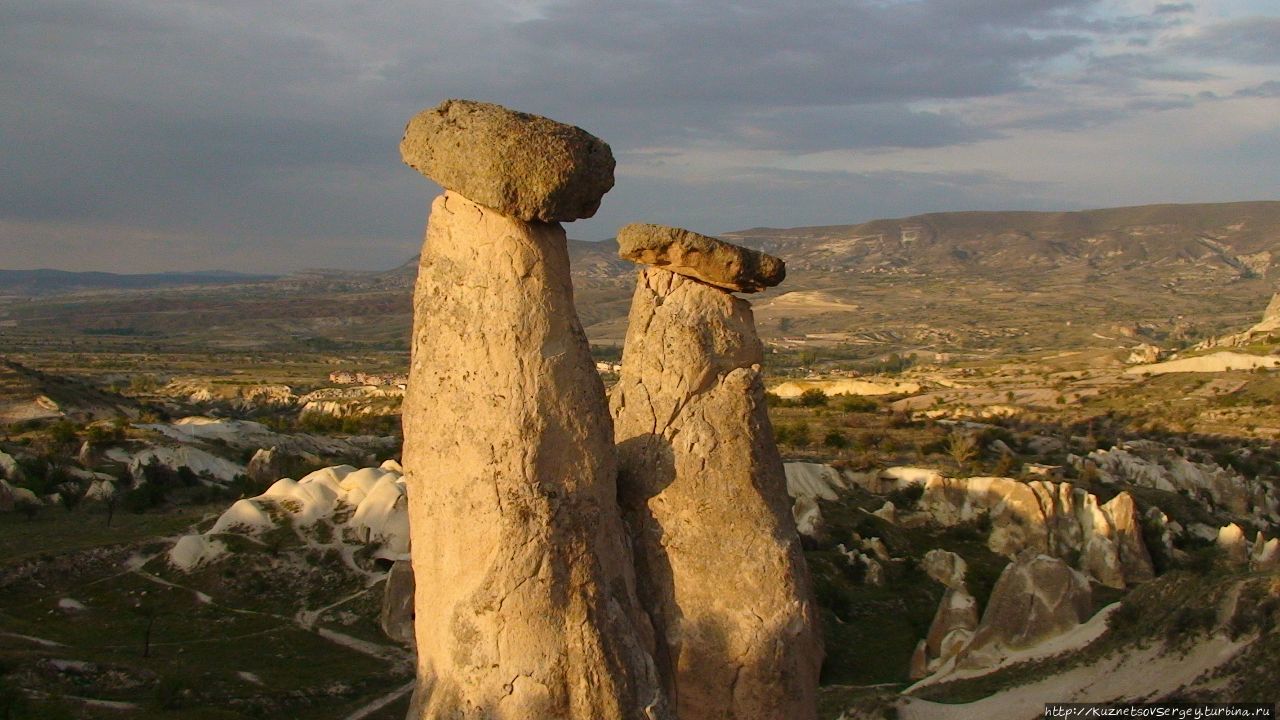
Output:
x,y
872,126
1128,70
764,196
271,127
1268,89
1254,40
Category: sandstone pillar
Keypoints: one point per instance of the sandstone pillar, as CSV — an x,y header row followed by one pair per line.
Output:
x,y
702,487
525,603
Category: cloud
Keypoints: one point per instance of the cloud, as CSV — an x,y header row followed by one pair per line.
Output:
x,y
866,127
1252,40
1128,70
767,196
264,129
1268,89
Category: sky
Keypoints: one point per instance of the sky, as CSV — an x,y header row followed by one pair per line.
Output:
x,y
158,135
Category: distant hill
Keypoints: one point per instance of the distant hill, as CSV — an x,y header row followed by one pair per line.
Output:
x,y
945,282
1020,280
50,282
1226,240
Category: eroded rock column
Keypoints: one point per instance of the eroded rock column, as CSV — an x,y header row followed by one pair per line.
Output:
x,y
525,603
702,487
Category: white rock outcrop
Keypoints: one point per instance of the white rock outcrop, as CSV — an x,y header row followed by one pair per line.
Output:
x,y
954,622
1150,464
806,484
531,610
364,507
1047,517
1265,555
1212,363
1259,555
202,464
1232,543
945,567
705,495
1268,327
9,469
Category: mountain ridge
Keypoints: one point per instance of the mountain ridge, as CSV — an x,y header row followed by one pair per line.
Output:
x,y
942,282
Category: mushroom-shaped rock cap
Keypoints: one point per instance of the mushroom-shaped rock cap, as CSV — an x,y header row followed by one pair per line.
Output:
x,y
712,261
524,166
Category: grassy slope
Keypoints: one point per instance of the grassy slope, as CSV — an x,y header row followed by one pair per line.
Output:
x,y
198,647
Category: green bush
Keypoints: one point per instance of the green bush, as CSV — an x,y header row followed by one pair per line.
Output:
x,y
796,434
859,404
813,397
836,439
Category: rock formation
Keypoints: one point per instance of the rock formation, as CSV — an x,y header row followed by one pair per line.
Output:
x,y
1260,555
955,620
702,487
1144,353
1268,327
806,484
1054,518
1036,598
524,166
1270,316
396,617
9,468
1265,554
712,261
365,506
527,606
946,567
1233,545
1150,464
266,465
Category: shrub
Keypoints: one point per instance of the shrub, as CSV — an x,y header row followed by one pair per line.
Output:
x,y
62,432
813,397
1128,615
859,404
906,497
962,447
800,434
836,439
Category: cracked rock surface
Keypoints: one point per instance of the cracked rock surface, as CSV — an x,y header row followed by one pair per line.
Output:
x,y
525,603
525,166
708,259
701,483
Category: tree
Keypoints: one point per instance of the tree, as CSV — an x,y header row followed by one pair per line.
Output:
x,y
144,608
962,447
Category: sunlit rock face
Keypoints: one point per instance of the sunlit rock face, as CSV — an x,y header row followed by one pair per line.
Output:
x,y
702,487
525,605
1055,518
